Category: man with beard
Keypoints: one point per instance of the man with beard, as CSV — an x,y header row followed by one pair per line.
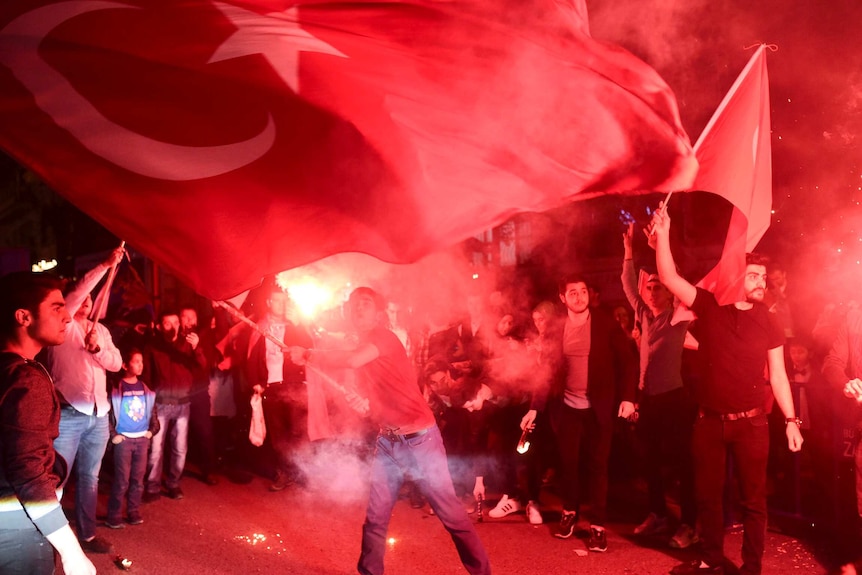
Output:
x,y
596,381
171,362
738,341
200,421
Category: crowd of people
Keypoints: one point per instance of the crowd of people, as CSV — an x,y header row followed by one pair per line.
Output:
x,y
495,401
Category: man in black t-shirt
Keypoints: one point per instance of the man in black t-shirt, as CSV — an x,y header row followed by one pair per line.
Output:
x,y
738,342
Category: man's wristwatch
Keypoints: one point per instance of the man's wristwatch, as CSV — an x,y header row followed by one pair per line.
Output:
x,y
796,420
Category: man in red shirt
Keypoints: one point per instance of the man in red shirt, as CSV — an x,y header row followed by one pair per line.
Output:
x,y
409,441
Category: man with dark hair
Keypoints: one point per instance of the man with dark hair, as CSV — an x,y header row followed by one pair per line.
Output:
x,y
171,360
78,367
409,441
282,383
596,382
33,315
738,342
667,412
200,422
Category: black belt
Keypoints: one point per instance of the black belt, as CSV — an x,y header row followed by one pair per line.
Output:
x,y
396,438
733,416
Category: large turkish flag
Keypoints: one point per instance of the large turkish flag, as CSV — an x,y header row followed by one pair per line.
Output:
x,y
228,141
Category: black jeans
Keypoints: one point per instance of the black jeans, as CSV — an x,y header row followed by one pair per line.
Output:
x,y
285,410
665,426
579,431
748,440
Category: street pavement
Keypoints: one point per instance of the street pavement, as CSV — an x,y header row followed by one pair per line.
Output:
x,y
233,528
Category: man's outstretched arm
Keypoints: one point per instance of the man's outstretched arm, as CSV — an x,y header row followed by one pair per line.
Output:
x,y
667,273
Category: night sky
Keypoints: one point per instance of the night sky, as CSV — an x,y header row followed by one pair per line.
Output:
x,y
815,77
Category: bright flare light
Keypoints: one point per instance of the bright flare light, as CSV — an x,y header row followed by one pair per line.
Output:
x,y
44,266
308,295
391,541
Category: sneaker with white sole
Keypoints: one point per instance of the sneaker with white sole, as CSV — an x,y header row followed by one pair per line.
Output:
x,y
684,537
568,521
598,542
534,516
505,507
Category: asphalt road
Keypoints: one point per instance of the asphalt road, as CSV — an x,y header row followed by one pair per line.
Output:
x,y
235,528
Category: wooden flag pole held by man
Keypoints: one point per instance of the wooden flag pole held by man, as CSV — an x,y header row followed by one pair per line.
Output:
x,y
102,301
328,379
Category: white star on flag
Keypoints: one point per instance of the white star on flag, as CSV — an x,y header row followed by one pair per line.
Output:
x,y
277,36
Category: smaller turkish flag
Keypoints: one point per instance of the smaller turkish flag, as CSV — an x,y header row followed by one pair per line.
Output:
x,y
735,156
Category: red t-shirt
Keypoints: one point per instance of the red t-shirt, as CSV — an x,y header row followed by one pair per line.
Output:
x,y
390,385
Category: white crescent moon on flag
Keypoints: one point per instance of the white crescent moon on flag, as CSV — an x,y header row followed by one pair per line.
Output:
x,y
19,51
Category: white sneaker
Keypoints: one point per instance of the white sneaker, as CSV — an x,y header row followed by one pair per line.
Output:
x,y
504,507
534,516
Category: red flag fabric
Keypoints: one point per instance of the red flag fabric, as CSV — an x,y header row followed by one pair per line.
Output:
x,y
735,156
228,141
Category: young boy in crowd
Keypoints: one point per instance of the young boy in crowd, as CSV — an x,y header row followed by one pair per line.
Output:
x,y
133,423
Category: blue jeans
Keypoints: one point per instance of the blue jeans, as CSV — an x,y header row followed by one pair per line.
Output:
x,y
424,459
25,552
130,468
82,441
173,420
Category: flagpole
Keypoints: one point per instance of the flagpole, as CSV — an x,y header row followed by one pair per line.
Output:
x,y
324,376
103,301
662,206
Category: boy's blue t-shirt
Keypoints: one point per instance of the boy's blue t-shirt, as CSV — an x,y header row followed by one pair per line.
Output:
x,y
133,419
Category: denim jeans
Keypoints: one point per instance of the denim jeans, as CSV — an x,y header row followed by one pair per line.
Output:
x,y
130,468
748,442
424,458
82,441
25,552
173,421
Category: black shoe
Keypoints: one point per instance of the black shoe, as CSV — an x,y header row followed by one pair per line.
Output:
x,y
209,479
96,545
598,540
151,496
567,525
136,520
175,493
695,567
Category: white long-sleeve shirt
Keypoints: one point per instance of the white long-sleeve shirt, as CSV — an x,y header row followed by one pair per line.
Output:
x,y
79,375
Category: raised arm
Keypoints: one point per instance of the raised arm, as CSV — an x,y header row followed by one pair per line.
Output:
x,y
76,297
667,273
629,277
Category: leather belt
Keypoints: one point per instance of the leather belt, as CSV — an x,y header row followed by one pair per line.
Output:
x,y
396,438
733,416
